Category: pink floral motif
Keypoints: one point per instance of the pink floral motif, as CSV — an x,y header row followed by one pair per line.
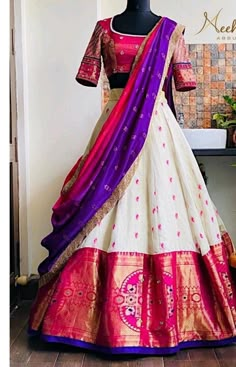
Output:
x,y
171,179
137,216
173,197
178,233
201,213
197,246
212,219
159,128
217,213
137,181
176,215
114,226
192,219
136,234
218,236
159,227
95,241
153,210
199,195
167,162
155,193
137,198
201,235
113,244
162,245
164,145
156,113
152,229
206,202
199,187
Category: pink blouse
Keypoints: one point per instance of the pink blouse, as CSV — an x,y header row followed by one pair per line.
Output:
x,y
118,51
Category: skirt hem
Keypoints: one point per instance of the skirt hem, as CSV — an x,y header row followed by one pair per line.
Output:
x,y
133,350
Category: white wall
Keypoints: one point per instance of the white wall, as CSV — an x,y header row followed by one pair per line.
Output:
x,y
56,114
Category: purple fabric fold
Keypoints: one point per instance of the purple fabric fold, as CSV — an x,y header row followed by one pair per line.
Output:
x,y
122,150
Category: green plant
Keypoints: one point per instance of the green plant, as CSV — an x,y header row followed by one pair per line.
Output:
x,y
224,120
221,120
231,102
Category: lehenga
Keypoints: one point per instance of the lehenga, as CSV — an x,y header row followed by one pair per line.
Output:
x,y
138,255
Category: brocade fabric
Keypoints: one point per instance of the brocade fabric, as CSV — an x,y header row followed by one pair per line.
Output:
x,y
117,51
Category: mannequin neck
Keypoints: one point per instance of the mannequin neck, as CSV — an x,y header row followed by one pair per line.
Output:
x,y
138,6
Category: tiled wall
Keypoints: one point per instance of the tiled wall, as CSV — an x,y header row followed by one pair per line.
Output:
x,y
215,69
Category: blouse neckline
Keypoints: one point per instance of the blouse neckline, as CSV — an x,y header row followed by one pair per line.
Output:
x,y
124,34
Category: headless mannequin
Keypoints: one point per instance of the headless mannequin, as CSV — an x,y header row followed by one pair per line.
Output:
x,y
137,19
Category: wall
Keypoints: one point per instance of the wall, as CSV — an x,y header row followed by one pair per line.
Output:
x,y
215,68
56,114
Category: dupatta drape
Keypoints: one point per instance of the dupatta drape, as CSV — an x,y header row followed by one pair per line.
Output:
x,y
98,180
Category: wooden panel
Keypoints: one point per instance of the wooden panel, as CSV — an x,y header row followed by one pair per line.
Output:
x,y
93,360
69,364
44,355
226,353
147,362
19,319
229,363
21,350
177,363
22,364
69,354
208,363
182,355
201,354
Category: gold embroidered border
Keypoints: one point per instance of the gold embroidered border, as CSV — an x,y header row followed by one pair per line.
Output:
x,y
71,182
172,44
117,193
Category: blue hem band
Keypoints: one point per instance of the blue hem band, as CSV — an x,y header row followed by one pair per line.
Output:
x,y
133,350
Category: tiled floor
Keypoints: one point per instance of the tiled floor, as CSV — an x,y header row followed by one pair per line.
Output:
x,y
34,353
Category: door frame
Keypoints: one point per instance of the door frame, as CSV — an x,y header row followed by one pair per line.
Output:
x,y
13,165
22,129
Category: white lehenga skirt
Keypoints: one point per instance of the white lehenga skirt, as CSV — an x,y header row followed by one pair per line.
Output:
x,y
167,206
153,275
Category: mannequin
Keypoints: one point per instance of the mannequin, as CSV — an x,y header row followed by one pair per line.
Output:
x,y
137,19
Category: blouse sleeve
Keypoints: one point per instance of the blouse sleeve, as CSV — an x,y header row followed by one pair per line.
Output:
x,y
184,77
90,67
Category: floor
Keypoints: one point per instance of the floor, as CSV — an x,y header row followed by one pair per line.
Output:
x,y
34,353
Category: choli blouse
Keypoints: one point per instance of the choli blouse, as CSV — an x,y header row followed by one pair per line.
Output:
x,y
118,51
